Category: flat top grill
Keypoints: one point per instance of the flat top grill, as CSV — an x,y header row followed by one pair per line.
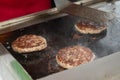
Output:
x,y
61,33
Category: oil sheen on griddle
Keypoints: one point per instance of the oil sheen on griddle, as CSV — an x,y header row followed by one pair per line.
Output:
x,y
59,33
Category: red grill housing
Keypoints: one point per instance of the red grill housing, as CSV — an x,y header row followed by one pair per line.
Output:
x,y
16,8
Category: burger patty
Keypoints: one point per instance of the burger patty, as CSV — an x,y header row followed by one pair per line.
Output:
x,y
29,43
89,27
69,57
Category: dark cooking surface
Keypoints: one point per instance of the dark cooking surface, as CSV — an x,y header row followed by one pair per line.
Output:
x,y
61,33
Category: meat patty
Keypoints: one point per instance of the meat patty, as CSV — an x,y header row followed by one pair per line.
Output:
x,y
72,56
89,27
29,43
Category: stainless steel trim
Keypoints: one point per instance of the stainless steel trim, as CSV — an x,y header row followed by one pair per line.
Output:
x,y
28,20
3,50
35,18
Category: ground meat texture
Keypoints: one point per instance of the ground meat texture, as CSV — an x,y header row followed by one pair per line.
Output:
x,y
74,55
29,43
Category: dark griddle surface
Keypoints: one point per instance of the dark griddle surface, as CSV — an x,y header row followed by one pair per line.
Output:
x,y
61,33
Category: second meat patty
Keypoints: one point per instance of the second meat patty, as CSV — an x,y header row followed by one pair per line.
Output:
x,y
29,43
72,56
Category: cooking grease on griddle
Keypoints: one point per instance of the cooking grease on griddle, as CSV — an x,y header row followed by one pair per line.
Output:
x,y
5,36
59,33
53,67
